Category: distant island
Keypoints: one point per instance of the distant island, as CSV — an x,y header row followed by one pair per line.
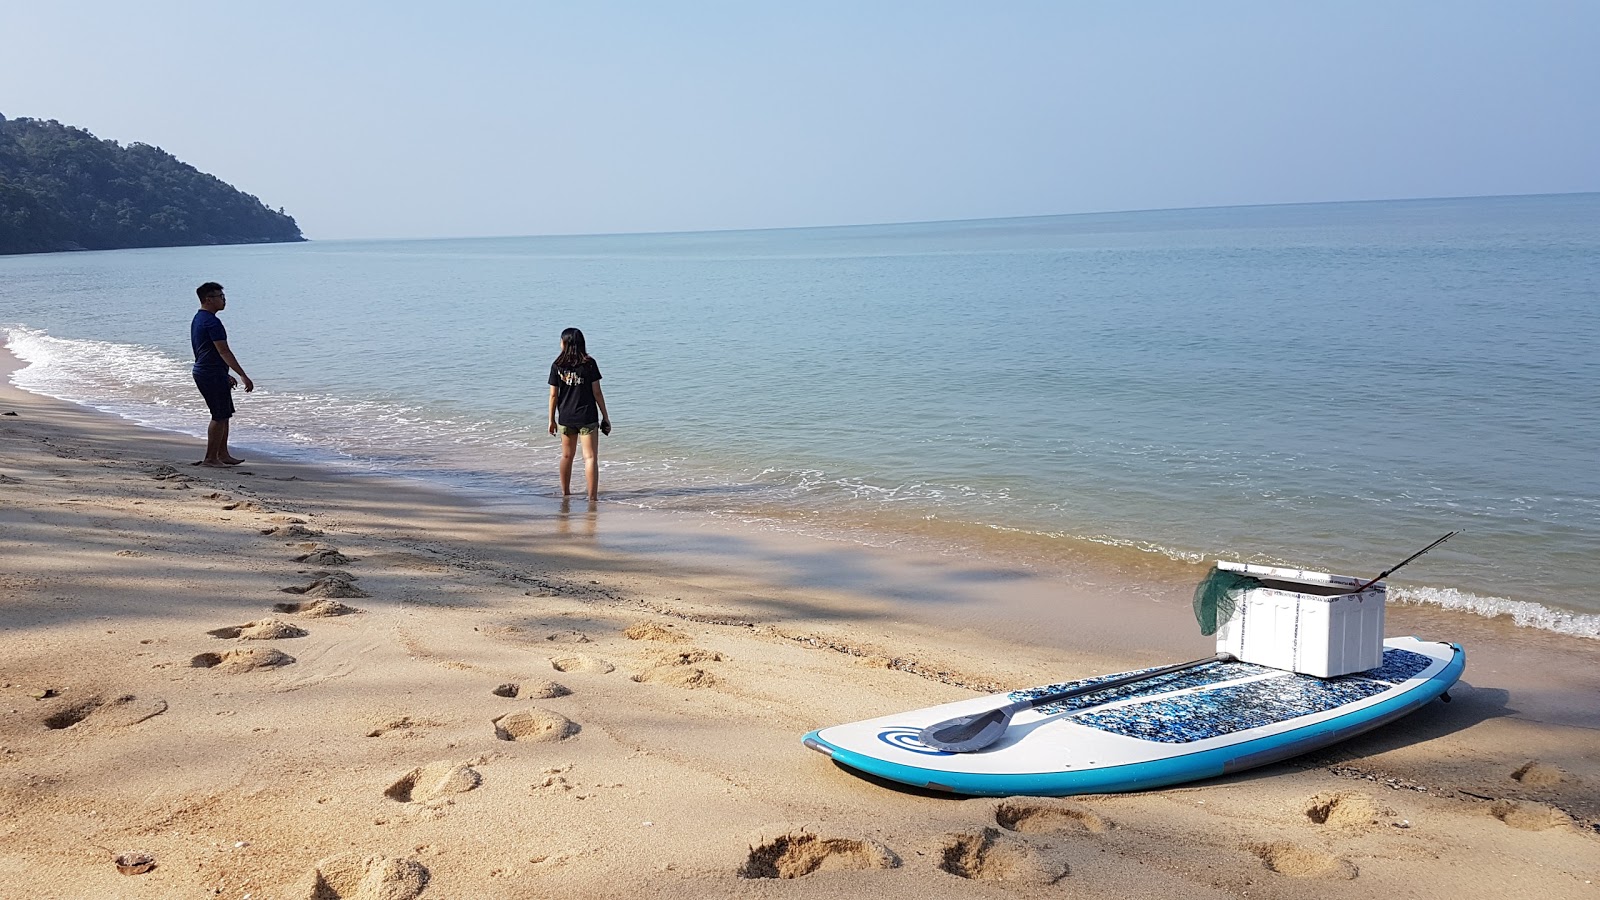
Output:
x,y
62,188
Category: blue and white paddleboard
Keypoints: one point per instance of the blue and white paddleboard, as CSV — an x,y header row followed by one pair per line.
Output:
x,y
1201,723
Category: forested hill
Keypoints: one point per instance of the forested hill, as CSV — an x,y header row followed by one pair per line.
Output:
x,y
62,188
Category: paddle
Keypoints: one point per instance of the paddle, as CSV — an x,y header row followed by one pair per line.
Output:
x,y
1384,574
965,734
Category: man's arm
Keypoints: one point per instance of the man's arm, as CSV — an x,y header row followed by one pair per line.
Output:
x,y
233,363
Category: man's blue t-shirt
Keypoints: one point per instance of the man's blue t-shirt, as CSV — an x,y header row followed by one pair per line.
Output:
x,y
204,331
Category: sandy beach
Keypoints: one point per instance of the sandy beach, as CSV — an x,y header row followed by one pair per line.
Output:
x,y
280,681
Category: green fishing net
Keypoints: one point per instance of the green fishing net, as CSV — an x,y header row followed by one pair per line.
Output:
x,y
1216,596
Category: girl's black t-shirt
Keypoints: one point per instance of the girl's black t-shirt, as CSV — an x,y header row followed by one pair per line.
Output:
x,y
575,394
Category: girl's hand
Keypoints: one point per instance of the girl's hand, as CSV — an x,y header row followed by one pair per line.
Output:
x,y
552,426
605,426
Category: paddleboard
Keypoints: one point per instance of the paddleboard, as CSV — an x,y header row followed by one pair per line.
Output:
x,y
1215,720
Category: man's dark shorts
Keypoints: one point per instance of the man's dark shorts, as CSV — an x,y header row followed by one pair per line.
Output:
x,y
217,388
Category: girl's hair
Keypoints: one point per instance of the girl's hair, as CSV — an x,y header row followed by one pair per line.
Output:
x,y
573,351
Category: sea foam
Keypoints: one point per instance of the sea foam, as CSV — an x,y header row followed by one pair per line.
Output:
x,y
1522,612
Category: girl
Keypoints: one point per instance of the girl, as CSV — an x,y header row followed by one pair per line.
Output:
x,y
578,408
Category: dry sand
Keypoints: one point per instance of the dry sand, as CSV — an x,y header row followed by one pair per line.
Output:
x,y
280,682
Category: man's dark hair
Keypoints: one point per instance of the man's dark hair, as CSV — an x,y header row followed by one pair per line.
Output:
x,y
207,289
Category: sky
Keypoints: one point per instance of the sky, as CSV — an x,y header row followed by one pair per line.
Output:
x,y
414,120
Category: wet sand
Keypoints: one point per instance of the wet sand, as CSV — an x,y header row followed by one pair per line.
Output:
x,y
281,681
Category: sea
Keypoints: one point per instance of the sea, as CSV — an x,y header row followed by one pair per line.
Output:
x,y
1327,386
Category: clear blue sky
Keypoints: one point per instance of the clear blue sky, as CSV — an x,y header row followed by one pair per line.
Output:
x,y
401,119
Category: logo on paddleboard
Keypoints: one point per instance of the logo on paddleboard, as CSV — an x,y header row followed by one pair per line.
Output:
x,y
906,739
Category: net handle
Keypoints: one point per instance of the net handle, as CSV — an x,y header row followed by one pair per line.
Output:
x,y
1392,569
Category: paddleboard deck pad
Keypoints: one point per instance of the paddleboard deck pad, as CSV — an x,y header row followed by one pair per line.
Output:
x,y
1214,720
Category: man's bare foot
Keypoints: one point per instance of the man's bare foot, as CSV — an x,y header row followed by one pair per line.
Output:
x,y
232,460
212,463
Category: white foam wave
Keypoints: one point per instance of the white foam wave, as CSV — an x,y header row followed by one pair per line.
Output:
x,y
137,382
149,387
1522,612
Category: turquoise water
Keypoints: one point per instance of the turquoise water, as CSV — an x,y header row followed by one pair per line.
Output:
x,y
1330,386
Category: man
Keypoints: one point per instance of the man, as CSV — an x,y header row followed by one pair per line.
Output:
x,y
212,360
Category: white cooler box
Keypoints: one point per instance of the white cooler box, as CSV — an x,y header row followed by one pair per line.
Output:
x,y
1305,622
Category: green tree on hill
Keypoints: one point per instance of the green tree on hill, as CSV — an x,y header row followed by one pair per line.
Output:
x,y
62,188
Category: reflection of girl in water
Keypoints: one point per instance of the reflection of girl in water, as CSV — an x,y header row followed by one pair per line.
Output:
x,y
578,409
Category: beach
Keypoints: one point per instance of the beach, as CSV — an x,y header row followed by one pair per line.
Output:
x,y
280,680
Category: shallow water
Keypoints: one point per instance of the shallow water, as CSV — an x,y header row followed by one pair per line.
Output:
x,y
1330,386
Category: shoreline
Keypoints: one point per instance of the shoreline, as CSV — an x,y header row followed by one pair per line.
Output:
x,y
685,765
1088,611
520,479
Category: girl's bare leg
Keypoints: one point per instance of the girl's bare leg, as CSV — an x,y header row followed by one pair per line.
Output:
x,y
569,449
591,463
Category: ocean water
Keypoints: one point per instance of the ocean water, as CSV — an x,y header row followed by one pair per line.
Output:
x,y
1329,386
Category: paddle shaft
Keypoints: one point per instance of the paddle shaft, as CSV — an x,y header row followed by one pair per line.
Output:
x,y
975,731
1125,680
1386,573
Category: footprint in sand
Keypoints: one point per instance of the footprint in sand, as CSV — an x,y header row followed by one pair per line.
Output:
x,y
97,711
433,781
324,556
329,584
317,608
688,657
355,876
1046,816
264,630
291,530
651,631
521,635
582,662
993,855
692,677
534,725
134,862
554,781
1297,861
679,669
1350,810
405,724
245,506
1529,816
233,662
1537,774
536,690
785,851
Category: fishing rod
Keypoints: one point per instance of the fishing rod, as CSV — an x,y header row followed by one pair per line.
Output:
x,y
1391,570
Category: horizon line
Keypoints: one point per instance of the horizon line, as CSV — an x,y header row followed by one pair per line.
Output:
x,y
881,224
